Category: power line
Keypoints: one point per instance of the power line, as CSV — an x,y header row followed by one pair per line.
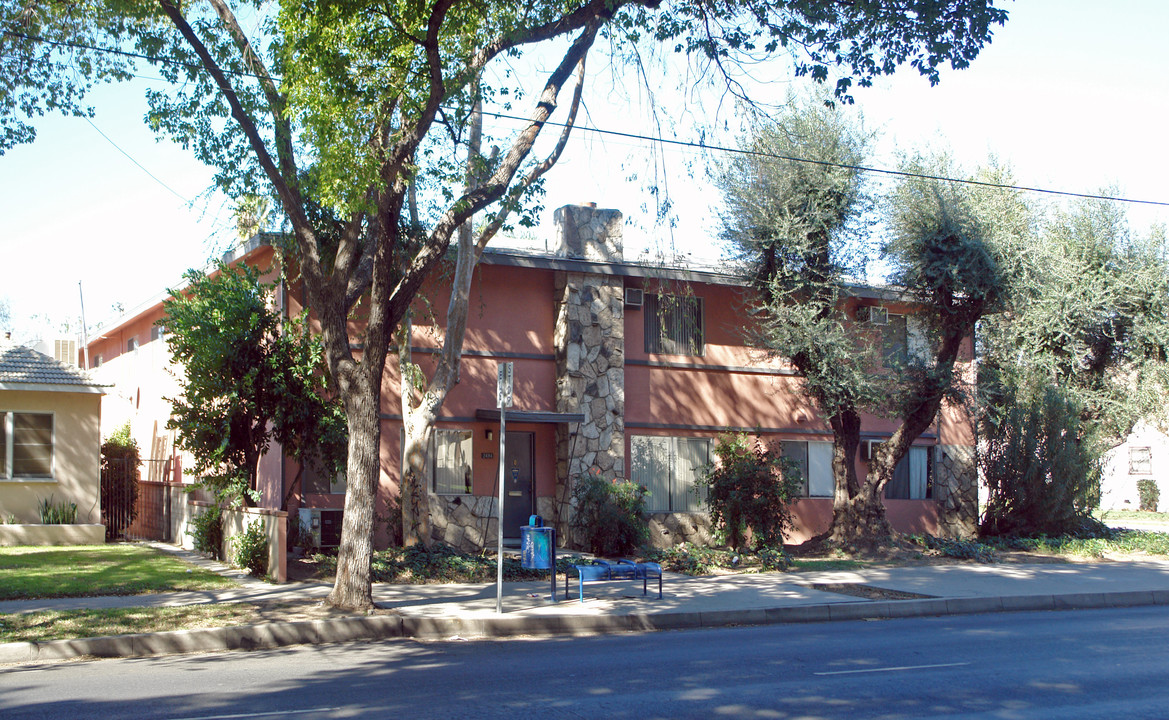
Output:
x,y
140,166
860,168
646,138
127,53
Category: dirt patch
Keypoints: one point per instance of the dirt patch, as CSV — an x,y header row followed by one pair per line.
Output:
x,y
303,569
308,610
867,591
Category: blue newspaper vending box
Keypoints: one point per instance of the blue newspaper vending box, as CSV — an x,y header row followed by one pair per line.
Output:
x,y
538,549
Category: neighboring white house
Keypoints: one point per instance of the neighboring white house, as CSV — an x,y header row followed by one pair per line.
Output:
x,y
1143,454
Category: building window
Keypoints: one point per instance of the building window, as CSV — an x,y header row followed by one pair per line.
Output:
x,y
913,478
673,325
669,467
132,345
452,462
158,332
814,460
97,361
26,445
317,482
1140,461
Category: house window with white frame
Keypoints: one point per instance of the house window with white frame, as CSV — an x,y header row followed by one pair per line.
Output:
x,y
1140,461
452,462
670,467
26,445
674,325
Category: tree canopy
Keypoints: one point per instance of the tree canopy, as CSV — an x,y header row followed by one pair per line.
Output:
x,y
355,117
248,377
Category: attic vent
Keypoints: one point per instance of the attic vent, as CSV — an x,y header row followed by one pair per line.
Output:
x,y
634,297
873,315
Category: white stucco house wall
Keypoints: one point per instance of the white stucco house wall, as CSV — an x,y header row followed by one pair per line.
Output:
x,y
1143,454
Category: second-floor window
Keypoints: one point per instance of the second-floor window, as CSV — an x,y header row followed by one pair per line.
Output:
x,y
674,325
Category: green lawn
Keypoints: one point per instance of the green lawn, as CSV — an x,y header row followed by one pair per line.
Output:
x,y
48,572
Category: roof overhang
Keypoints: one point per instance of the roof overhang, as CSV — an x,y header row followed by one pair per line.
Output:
x,y
47,387
528,416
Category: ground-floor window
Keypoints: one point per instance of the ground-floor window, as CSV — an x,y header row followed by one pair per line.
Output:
x,y
913,476
815,462
669,468
452,462
26,445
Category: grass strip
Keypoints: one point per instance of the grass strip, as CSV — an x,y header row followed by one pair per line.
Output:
x,y
88,570
71,624
1135,516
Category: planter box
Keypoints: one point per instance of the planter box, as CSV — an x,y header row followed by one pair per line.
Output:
x,y
52,534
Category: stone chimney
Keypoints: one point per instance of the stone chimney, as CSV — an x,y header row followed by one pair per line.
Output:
x,y
589,233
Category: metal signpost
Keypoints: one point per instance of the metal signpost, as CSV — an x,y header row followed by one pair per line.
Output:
x,y
503,395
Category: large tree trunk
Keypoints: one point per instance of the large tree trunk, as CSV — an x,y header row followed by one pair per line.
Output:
x,y
858,512
352,589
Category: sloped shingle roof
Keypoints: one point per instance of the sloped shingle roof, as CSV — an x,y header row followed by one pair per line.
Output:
x,y
21,365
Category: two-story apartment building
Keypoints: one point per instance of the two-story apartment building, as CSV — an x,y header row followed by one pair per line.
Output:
x,y
623,368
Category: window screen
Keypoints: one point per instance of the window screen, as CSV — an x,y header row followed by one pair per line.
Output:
x,y
673,325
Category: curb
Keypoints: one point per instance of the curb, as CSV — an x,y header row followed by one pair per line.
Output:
x,y
379,627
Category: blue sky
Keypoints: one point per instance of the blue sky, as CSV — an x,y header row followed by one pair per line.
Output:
x,y
1073,94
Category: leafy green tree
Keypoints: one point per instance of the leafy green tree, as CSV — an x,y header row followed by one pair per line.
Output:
x,y
120,472
1092,318
749,490
248,377
794,205
953,249
1041,465
346,110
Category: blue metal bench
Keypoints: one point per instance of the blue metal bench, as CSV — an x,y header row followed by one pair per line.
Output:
x,y
602,570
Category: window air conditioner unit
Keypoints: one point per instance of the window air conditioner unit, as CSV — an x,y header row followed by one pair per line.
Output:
x,y
873,315
634,297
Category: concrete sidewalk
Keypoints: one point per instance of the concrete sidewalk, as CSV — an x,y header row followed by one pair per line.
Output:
x,y
468,610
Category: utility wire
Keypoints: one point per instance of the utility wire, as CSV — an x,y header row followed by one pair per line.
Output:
x,y
140,165
826,163
646,138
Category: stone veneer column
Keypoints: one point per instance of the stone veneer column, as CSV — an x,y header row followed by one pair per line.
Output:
x,y
590,357
956,491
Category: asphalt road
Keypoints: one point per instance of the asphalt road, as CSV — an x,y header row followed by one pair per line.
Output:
x,y
1083,664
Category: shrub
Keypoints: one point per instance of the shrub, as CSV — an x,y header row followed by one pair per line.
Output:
x,y
1150,494
1040,465
206,530
750,490
62,513
958,549
120,473
251,549
610,514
